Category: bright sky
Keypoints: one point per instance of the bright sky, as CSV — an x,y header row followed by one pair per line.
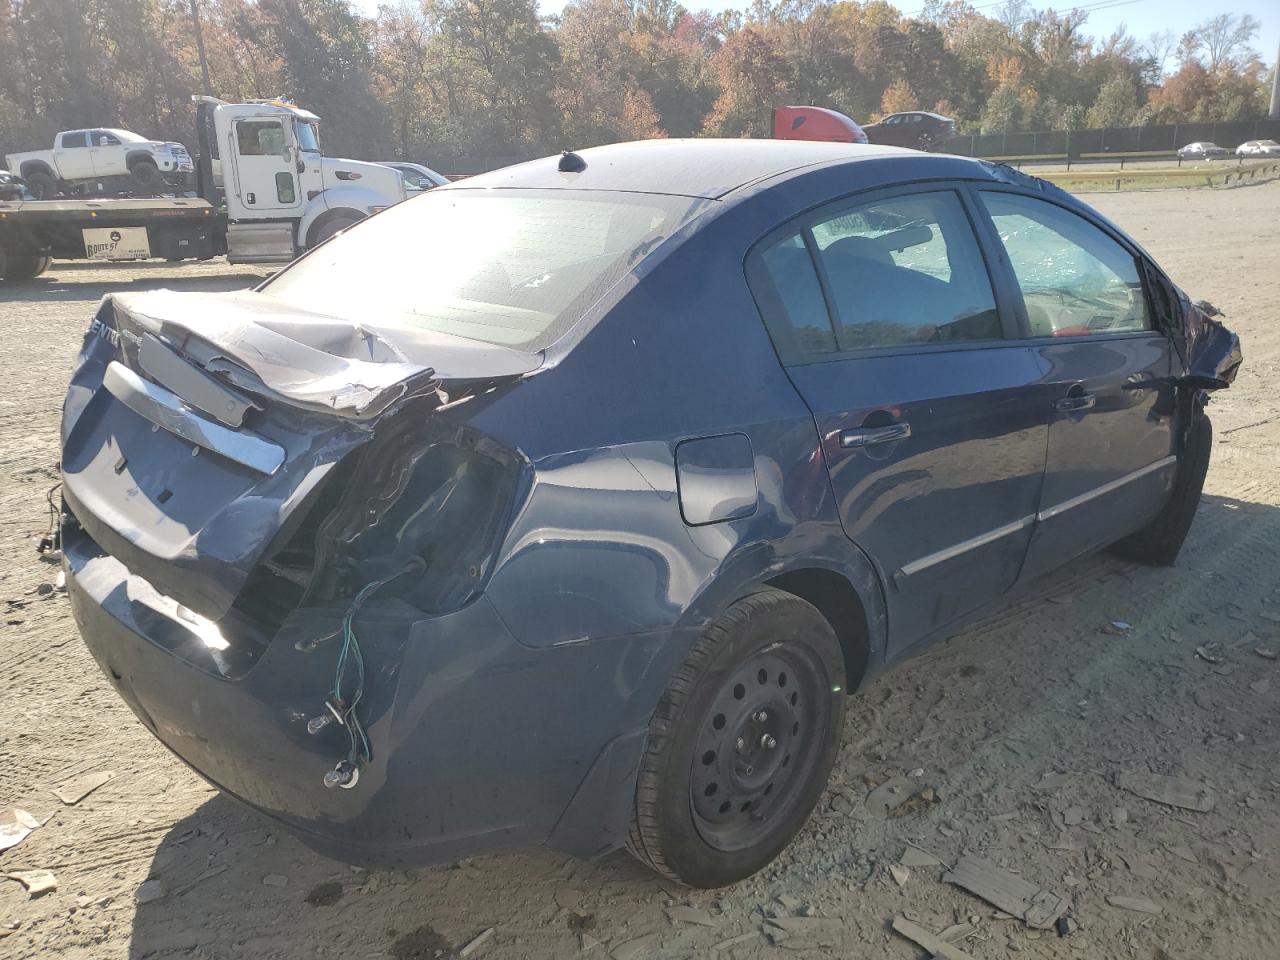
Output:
x,y
1142,17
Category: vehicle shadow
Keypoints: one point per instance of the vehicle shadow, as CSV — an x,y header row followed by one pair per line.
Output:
x,y
236,885
86,282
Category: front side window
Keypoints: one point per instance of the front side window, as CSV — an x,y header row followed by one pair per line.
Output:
x,y
308,135
259,138
490,265
906,271
1076,281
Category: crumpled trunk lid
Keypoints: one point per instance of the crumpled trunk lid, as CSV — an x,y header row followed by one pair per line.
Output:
x,y
198,428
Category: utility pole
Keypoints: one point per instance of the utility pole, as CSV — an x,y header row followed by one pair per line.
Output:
x,y
204,64
1274,113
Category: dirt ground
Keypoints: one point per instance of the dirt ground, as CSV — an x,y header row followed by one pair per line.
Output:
x,y
1020,725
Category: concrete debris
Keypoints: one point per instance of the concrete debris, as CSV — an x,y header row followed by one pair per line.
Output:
x,y
805,931
1137,904
1210,652
732,942
1171,791
890,795
1266,653
1261,686
1036,907
149,891
957,931
635,949
691,915
900,874
936,946
275,880
789,903
476,942
916,857
77,788
37,882
16,825
1072,816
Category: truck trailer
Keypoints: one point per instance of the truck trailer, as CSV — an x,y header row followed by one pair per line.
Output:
x,y
265,193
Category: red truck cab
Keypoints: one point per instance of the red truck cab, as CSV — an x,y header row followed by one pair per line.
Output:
x,y
815,123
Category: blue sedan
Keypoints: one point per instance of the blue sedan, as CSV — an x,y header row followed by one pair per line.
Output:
x,y
565,505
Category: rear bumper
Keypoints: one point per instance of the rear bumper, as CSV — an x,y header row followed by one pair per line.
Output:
x,y
479,744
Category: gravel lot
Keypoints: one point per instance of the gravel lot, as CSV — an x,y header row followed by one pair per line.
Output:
x,y
1044,686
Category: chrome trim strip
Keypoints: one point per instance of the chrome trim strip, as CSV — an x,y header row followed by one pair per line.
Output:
x,y
166,409
1051,512
964,546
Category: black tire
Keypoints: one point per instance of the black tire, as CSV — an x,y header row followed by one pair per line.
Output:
x,y
16,267
326,228
42,185
757,704
1157,544
146,175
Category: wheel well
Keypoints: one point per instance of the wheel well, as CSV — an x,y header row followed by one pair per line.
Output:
x,y
138,156
35,166
327,216
838,601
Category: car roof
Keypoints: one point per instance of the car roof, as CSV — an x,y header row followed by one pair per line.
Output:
x,y
693,168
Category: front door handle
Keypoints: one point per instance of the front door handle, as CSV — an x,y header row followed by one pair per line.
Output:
x,y
1075,403
866,436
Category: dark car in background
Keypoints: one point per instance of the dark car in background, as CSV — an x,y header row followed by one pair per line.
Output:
x,y
416,177
917,129
566,504
1203,150
12,186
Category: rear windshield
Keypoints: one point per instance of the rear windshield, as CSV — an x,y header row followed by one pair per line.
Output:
x,y
516,269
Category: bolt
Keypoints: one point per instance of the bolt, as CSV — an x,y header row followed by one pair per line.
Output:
x,y
750,770
768,742
760,717
742,743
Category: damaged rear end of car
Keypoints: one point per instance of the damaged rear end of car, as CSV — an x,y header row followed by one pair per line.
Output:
x,y
234,497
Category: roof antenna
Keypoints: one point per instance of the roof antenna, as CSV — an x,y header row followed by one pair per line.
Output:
x,y
570,162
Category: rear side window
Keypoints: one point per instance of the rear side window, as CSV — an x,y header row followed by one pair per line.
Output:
x,y
905,271
1076,281
794,298
74,139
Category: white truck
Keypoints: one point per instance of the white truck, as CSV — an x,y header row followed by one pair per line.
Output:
x,y
102,160
265,194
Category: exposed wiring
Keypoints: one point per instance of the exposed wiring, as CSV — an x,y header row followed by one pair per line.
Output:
x,y
349,674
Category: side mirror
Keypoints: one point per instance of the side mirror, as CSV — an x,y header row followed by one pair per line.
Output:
x,y
425,184
286,153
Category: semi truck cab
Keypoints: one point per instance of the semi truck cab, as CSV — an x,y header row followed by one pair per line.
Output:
x,y
282,195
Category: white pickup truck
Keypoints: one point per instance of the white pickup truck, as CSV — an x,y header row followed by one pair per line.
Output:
x,y
102,161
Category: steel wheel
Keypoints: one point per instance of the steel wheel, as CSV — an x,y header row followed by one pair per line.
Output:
x,y
742,743
757,743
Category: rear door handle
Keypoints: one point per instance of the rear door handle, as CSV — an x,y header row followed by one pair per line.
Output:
x,y
866,436
1071,404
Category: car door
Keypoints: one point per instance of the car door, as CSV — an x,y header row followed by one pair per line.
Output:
x,y
75,160
107,153
1106,372
884,313
265,178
